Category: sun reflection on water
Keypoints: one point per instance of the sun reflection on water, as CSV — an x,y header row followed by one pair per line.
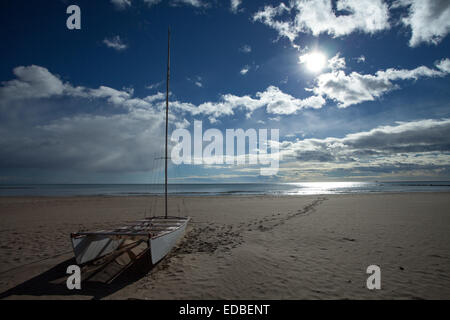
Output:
x,y
329,187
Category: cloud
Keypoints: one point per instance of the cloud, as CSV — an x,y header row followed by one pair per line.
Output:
x,y
125,138
156,97
361,59
32,82
100,143
152,2
273,99
194,3
444,65
318,17
121,4
155,85
91,137
245,48
182,124
406,146
197,80
115,43
336,63
415,136
244,70
36,82
429,20
235,5
405,137
278,102
354,88
267,16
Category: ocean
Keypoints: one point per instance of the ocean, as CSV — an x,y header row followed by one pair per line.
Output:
x,y
301,188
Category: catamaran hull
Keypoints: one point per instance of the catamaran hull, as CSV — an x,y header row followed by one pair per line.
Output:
x,y
90,246
93,247
160,246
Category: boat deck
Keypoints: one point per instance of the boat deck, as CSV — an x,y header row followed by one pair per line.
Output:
x,y
147,228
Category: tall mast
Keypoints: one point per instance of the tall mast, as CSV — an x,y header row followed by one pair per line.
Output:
x,y
167,119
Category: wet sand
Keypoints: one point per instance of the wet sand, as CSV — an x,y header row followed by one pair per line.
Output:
x,y
236,247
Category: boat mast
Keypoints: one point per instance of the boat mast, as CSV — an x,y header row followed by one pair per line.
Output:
x,y
167,119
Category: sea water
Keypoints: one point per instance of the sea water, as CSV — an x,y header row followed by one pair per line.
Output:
x,y
203,189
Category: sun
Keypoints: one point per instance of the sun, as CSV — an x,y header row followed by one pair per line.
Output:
x,y
314,61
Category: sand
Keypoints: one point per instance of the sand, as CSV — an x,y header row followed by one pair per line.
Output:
x,y
261,247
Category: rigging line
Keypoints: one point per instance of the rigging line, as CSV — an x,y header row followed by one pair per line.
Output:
x,y
158,186
161,186
167,118
151,185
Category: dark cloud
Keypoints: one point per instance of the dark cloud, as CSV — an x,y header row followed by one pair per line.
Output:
x,y
414,143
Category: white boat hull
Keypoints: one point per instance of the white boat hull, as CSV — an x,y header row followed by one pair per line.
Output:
x,y
93,247
161,245
160,234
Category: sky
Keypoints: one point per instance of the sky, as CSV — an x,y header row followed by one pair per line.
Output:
x,y
358,89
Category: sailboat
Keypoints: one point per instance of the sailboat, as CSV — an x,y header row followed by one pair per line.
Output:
x,y
154,235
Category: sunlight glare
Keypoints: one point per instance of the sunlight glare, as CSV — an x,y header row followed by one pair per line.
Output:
x,y
314,61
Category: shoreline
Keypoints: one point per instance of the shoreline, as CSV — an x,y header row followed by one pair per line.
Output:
x,y
230,189
253,247
222,195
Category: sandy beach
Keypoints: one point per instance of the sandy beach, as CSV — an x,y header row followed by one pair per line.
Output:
x,y
241,247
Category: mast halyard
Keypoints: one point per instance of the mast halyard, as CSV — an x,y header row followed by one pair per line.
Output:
x,y
167,120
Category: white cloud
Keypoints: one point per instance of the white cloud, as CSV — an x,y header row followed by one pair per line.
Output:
x,y
354,88
121,4
444,65
267,16
115,43
155,85
317,17
273,99
194,3
152,2
361,59
278,102
32,82
235,5
244,70
429,20
35,82
156,97
336,63
245,48
197,80
182,124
